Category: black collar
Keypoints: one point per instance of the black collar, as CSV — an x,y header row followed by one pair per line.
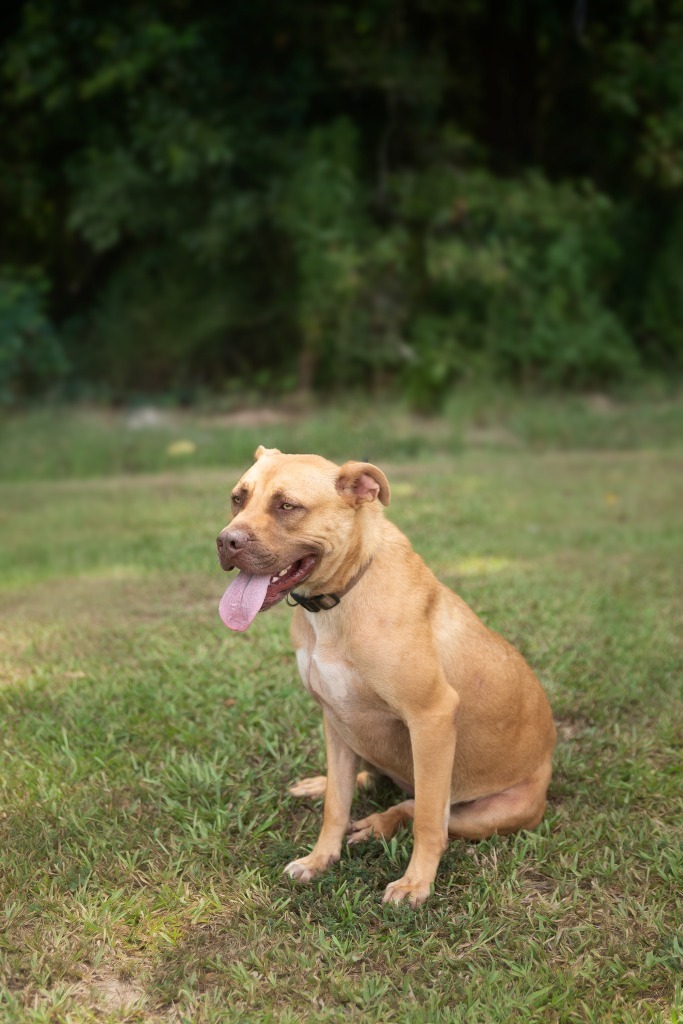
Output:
x,y
324,602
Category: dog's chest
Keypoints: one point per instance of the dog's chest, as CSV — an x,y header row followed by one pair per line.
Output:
x,y
328,678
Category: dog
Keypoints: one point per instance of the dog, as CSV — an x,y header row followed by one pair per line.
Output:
x,y
411,683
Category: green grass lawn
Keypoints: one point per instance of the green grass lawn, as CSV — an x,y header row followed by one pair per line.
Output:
x,y
146,750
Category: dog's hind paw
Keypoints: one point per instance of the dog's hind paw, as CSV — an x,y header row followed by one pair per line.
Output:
x,y
375,826
358,831
309,788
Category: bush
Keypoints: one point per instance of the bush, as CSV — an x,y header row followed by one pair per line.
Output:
x,y
517,276
662,315
31,356
466,275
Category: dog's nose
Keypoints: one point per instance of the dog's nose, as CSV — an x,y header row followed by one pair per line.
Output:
x,y
231,541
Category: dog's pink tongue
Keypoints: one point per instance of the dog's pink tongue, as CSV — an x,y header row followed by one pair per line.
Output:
x,y
242,601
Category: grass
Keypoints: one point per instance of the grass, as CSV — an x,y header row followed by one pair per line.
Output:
x,y
54,443
145,750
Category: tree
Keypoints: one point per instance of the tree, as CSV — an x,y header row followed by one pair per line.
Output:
x,y
406,190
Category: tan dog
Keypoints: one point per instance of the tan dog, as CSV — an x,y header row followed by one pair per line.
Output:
x,y
411,683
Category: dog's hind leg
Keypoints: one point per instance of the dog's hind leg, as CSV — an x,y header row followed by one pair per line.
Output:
x,y
317,784
521,806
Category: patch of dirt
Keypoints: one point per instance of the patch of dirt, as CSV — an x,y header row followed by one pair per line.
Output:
x,y
105,989
600,403
536,885
151,417
114,994
250,418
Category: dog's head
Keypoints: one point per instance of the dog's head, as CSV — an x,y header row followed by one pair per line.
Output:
x,y
296,520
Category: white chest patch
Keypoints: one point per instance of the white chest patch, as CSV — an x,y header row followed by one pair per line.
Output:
x,y
336,679
332,681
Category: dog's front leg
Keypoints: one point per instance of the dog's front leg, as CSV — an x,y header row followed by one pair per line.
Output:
x,y
432,738
342,766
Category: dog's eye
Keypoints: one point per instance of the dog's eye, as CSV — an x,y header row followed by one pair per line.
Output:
x,y
287,506
236,499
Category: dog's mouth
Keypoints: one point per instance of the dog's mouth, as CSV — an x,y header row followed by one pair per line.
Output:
x,y
248,594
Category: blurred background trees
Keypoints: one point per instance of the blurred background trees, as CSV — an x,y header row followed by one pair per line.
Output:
x,y
391,193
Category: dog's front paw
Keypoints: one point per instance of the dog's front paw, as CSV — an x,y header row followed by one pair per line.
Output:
x,y
407,888
306,868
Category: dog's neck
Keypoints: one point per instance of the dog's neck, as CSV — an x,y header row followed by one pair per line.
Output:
x,y
327,601
345,557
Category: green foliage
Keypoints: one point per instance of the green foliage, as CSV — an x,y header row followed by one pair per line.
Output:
x,y
663,302
316,207
31,356
516,272
384,194
160,320
642,83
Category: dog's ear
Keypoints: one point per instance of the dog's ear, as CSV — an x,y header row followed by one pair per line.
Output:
x,y
260,451
361,481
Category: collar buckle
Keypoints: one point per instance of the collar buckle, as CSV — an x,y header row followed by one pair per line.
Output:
x,y
316,603
324,602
